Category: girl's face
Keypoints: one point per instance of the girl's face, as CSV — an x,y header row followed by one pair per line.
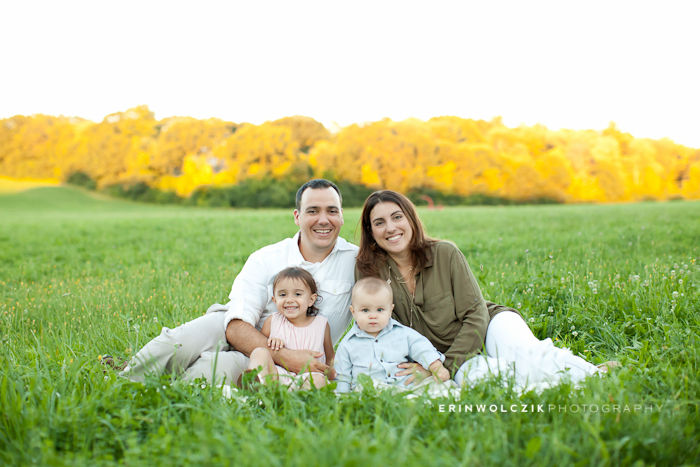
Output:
x,y
293,298
390,228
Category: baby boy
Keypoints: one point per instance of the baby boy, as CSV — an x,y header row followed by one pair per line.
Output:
x,y
376,344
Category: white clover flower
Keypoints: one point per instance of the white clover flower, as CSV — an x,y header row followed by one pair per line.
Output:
x,y
595,291
675,294
573,328
550,309
532,320
491,283
562,280
155,319
680,281
518,305
575,333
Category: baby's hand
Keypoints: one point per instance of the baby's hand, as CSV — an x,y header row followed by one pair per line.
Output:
x,y
275,343
443,373
439,371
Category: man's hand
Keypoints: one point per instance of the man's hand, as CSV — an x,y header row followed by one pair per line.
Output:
x,y
417,372
275,343
299,361
245,338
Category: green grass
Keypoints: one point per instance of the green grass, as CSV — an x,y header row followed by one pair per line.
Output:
x,y
82,276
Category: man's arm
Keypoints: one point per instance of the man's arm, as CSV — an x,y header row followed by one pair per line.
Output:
x,y
245,338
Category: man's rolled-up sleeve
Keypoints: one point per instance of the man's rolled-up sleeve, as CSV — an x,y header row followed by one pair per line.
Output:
x,y
249,293
470,308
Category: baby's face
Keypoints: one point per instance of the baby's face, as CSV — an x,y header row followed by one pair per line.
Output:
x,y
372,312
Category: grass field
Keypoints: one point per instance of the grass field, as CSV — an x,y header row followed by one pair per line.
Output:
x,y
81,277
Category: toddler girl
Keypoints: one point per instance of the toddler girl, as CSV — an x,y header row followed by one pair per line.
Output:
x,y
297,326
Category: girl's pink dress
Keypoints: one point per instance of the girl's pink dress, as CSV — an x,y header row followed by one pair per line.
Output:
x,y
310,337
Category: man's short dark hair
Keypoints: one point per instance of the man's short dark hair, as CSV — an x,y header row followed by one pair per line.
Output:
x,y
317,184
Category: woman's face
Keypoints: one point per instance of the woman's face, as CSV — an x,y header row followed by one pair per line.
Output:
x,y
390,228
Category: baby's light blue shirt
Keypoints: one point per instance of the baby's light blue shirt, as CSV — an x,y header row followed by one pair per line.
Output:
x,y
378,357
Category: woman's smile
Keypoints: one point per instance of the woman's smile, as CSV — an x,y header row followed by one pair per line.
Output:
x,y
390,228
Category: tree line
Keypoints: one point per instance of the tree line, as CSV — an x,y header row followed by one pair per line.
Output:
x,y
453,160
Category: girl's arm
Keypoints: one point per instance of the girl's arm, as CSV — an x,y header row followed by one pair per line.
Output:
x,y
273,343
267,325
328,350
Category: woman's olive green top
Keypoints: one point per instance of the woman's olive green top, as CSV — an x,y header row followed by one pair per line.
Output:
x,y
447,308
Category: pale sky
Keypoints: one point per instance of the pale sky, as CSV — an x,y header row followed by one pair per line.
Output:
x,y
565,64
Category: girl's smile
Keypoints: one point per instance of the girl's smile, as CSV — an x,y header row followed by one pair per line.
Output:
x,y
293,298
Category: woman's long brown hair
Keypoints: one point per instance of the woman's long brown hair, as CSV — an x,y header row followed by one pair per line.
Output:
x,y
371,256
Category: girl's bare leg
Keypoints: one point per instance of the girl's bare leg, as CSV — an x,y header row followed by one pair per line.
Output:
x,y
261,357
318,379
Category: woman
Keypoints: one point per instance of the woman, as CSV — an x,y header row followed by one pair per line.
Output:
x,y
436,294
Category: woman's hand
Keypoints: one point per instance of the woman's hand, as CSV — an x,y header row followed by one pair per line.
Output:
x,y
417,372
275,343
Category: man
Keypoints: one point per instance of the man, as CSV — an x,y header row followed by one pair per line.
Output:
x,y
199,348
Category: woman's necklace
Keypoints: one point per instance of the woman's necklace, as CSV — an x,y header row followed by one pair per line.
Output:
x,y
407,283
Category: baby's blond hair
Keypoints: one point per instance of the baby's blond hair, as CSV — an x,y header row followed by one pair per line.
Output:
x,y
371,285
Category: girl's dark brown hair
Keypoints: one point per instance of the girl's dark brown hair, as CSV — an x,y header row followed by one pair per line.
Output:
x,y
299,274
371,256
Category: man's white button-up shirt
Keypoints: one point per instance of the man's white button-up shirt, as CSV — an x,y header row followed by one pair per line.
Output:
x,y
251,294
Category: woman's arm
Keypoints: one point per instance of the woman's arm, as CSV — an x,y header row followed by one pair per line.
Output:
x,y
470,308
330,353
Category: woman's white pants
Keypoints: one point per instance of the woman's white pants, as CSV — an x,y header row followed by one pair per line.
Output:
x,y
513,351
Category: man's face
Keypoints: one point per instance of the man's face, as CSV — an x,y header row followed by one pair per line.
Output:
x,y
320,219
372,312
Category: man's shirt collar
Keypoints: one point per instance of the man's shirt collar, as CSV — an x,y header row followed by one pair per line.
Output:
x,y
295,256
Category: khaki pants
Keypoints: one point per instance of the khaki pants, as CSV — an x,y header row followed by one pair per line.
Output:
x,y
197,349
